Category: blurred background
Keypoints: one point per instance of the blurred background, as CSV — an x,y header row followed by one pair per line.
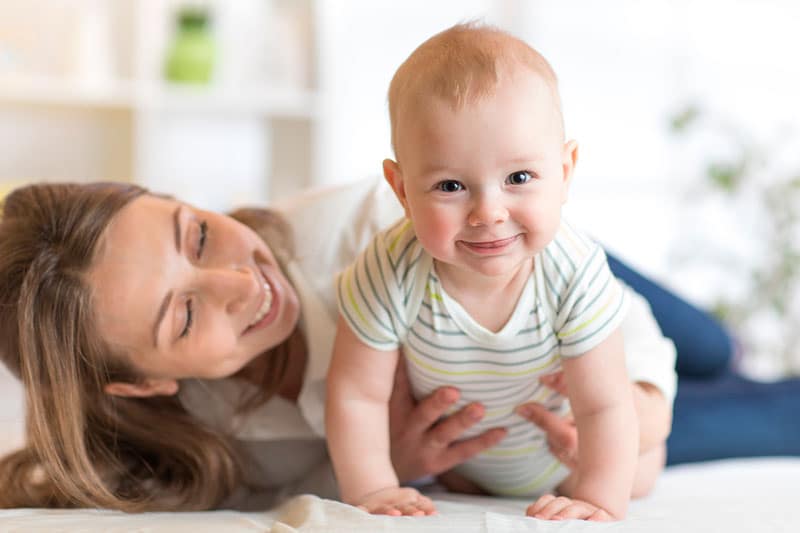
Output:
x,y
685,111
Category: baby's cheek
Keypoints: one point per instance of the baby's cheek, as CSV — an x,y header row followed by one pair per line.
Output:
x,y
437,241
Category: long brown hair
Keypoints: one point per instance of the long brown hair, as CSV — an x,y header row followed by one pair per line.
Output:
x,y
84,447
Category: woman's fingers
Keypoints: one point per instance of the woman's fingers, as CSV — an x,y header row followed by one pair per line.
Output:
x,y
556,382
424,443
453,427
562,436
417,417
561,431
424,440
433,407
457,453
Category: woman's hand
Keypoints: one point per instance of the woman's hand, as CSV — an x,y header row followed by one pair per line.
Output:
x,y
423,445
654,412
562,435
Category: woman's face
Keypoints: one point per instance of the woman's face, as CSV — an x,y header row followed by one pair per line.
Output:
x,y
188,293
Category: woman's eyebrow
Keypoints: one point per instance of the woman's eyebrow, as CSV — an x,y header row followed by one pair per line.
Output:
x,y
176,218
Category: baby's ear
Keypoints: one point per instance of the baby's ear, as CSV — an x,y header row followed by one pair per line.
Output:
x,y
393,175
569,158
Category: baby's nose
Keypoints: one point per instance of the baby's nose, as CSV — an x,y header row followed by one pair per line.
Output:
x,y
486,212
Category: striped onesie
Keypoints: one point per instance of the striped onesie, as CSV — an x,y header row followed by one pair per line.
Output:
x,y
391,298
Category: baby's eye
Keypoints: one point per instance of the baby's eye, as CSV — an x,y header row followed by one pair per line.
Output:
x,y
520,177
449,186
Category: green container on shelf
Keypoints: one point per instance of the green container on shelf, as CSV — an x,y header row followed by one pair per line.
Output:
x,y
191,55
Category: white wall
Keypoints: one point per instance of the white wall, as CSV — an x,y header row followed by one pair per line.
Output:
x,y
361,44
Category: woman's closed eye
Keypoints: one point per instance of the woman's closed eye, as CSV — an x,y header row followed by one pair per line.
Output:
x,y
189,319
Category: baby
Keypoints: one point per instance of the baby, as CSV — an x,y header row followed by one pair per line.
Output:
x,y
484,287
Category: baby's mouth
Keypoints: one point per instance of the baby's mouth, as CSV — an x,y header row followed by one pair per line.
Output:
x,y
489,245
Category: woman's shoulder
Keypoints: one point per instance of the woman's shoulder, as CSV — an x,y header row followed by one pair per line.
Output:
x,y
331,225
367,201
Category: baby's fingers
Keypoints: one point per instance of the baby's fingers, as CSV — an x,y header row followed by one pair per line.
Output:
x,y
576,511
600,515
422,507
539,504
426,505
386,509
550,509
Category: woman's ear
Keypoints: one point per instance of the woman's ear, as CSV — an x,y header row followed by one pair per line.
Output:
x,y
391,171
143,389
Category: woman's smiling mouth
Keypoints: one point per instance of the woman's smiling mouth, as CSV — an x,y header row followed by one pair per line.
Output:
x,y
268,309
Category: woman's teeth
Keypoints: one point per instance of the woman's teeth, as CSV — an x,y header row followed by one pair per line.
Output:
x,y
266,306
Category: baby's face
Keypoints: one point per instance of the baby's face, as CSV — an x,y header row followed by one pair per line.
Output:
x,y
484,184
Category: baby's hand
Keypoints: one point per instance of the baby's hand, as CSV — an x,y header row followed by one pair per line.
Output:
x,y
549,507
397,501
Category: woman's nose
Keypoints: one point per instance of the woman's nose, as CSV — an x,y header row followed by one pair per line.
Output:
x,y
487,210
231,287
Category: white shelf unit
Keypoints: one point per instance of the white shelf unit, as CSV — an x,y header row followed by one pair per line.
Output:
x,y
268,102
246,137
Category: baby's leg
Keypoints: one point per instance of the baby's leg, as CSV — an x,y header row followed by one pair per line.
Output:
x,y
651,464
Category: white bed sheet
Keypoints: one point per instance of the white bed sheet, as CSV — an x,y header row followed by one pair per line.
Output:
x,y
734,496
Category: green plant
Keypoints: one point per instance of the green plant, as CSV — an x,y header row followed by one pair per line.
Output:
x,y
765,314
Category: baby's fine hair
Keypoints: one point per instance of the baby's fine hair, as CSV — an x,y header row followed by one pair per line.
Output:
x,y
461,65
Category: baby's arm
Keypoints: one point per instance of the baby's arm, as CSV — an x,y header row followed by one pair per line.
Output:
x,y
602,403
359,385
